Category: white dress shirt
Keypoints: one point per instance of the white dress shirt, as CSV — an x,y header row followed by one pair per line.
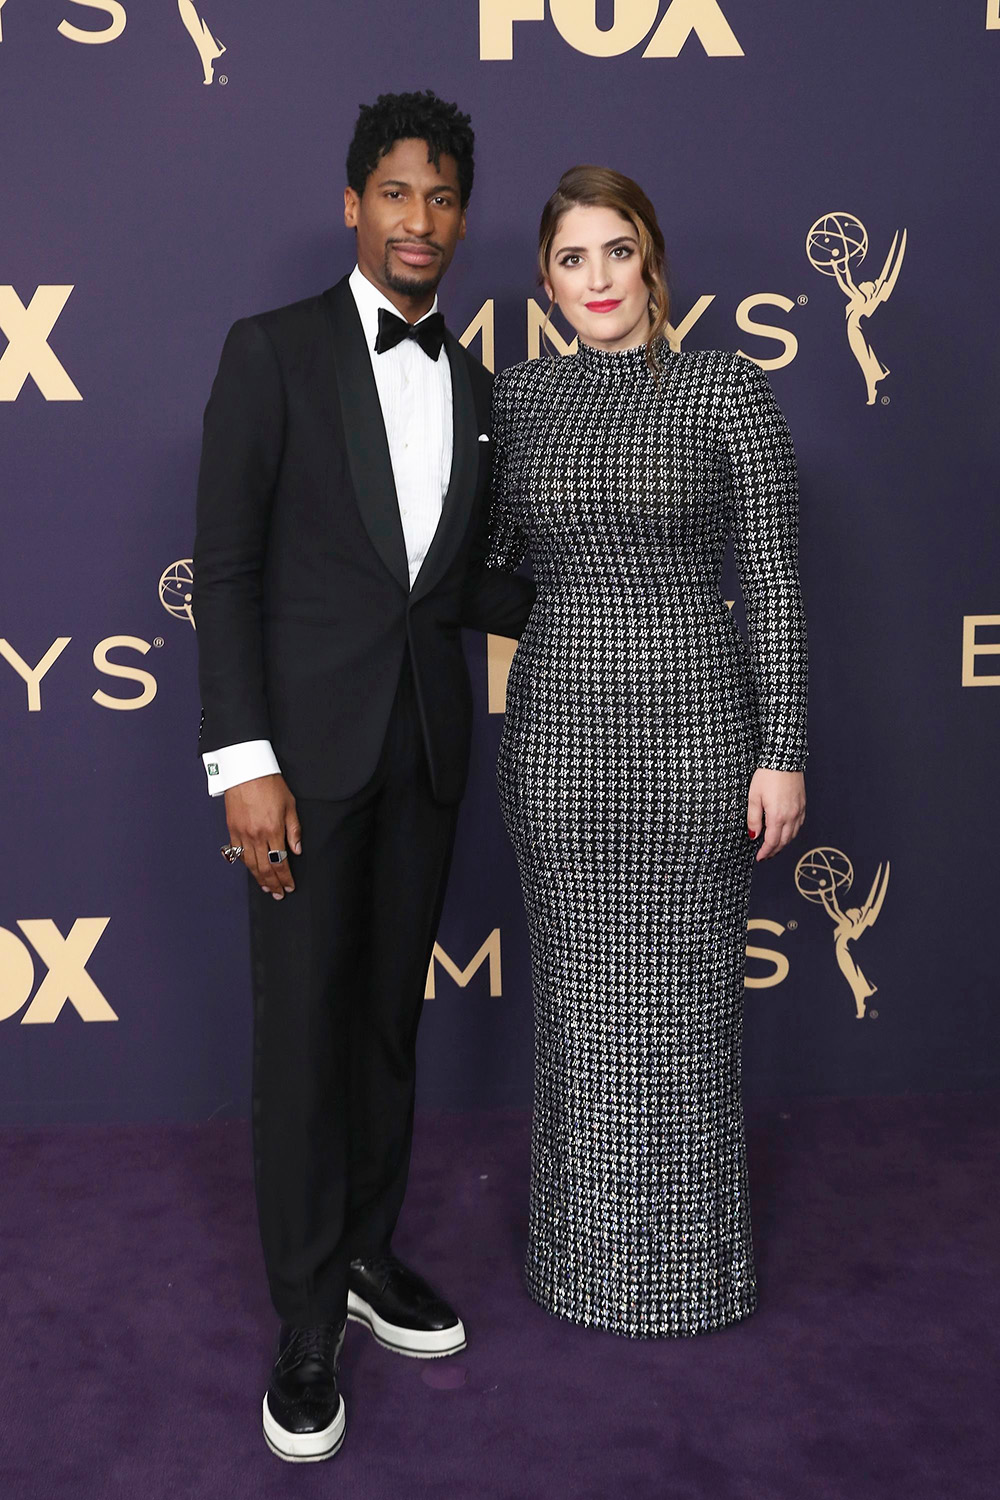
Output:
x,y
415,394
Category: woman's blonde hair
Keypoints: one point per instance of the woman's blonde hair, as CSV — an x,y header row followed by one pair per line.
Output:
x,y
600,187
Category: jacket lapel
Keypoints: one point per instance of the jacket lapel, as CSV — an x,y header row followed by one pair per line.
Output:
x,y
364,432
460,494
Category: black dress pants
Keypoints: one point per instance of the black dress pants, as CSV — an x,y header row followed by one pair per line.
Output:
x,y
339,969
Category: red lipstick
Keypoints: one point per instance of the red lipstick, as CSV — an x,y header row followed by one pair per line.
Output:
x,y
602,307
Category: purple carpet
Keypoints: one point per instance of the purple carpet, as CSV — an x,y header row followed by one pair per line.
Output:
x,y
137,1333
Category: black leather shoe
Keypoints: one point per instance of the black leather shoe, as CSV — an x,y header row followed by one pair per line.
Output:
x,y
401,1310
304,1418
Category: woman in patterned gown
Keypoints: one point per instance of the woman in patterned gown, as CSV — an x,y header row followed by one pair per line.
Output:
x,y
649,758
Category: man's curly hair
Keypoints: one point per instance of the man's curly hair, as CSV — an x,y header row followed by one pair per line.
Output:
x,y
403,117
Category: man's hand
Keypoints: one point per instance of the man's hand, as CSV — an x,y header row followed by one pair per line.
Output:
x,y
776,802
261,815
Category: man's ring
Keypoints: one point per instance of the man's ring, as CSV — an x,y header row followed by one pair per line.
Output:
x,y
276,856
231,852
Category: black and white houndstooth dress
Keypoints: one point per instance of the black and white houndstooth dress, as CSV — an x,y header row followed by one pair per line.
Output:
x,y
636,716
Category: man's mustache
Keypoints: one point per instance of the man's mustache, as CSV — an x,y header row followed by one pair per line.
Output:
x,y
421,244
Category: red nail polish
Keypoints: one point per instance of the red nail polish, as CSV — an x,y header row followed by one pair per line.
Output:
x,y
752,832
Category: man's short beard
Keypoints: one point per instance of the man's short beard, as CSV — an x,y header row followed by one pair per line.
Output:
x,y
403,286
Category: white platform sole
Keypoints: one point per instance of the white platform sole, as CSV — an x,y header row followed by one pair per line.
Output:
x,y
406,1341
304,1447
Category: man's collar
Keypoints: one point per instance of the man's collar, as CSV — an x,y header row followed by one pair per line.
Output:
x,y
369,299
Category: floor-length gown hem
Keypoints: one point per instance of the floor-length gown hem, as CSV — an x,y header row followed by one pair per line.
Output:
x,y
606,1323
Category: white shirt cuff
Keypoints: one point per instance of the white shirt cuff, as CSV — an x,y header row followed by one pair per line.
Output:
x,y
235,763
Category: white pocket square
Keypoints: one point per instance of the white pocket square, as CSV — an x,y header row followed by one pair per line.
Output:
x,y
484,437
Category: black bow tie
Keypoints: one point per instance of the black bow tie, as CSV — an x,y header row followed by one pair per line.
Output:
x,y
428,333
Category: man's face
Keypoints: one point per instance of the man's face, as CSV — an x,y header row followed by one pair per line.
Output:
x,y
408,220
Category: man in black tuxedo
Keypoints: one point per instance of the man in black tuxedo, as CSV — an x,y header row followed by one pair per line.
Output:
x,y
342,513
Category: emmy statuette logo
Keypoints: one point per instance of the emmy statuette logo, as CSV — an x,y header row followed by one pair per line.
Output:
x,y
66,960
176,590
819,875
28,352
209,48
832,244
577,23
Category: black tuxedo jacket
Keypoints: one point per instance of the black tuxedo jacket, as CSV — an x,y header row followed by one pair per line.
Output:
x,y
301,591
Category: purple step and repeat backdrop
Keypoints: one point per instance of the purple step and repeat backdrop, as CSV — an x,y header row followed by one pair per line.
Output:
x,y
825,178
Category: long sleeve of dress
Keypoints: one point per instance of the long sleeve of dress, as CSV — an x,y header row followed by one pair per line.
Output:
x,y
763,516
506,545
495,600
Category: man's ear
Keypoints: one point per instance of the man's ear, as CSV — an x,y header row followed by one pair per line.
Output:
x,y
352,204
461,226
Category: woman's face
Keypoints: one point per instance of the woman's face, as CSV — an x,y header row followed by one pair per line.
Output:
x,y
595,276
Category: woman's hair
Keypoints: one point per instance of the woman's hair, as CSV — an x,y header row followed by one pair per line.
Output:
x,y
402,117
600,187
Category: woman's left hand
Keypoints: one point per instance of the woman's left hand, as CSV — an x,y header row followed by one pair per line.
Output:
x,y
776,803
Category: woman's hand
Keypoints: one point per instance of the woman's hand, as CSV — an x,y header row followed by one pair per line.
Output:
x,y
776,803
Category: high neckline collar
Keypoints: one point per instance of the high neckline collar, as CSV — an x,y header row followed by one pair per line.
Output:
x,y
618,362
